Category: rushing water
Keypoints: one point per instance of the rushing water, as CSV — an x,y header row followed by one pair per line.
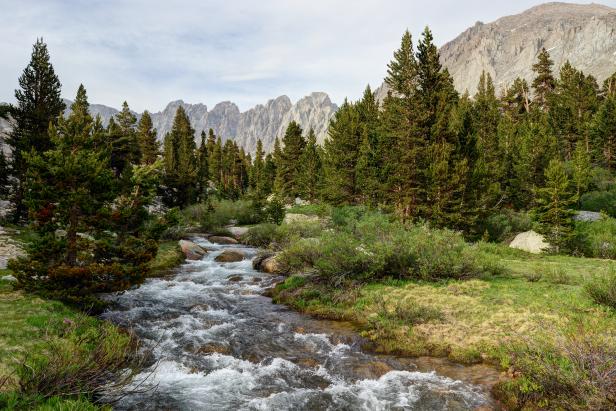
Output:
x,y
219,344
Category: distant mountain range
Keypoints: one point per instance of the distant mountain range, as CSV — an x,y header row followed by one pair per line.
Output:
x,y
262,121
506,48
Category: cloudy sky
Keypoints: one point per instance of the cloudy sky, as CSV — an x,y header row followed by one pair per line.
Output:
x,y
151,52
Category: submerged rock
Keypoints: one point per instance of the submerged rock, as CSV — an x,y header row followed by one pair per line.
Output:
x,y
230,256
222,240
530,241
191,250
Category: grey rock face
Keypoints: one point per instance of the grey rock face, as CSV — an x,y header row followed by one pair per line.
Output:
x,y
584,34
507,48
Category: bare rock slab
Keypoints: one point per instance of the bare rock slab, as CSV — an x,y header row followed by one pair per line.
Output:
x,y
191,250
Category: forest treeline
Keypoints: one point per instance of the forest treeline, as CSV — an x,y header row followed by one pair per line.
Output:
x,y
427,153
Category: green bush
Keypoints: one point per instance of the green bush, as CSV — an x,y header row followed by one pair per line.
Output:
x,y
505,224
370,245
218,214
596,239
602,289
598,201
261,235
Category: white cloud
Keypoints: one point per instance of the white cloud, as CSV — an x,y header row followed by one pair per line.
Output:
x,y
150,53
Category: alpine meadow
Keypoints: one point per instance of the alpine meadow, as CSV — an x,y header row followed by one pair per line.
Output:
x,y
444,241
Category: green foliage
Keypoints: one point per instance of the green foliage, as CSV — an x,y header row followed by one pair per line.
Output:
x,y
600,201
39,104
149,147
503,225
602,289
596,239
544,82
288,161
554,206
180,162
572,371
220,213
275,211
310,177
369,246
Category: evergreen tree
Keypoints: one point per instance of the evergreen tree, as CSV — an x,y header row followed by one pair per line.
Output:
x,y
488,170
149,147
341,152
609,87
582,170
553,211
516,99
572,106
203,171
4,175
367,171
544,82
180,161
402,144
258,173
123,141
71,188
287,167
603,133
38,104
310,176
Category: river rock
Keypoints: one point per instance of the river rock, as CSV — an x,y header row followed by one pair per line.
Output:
x,y
191,250
237,232
235,278
271,265
530,241
213,348
222,240
230,256
371,370
258,260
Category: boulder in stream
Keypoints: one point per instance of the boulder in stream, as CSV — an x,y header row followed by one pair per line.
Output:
x,y
230,256
271,265
222,240
237,232
191,250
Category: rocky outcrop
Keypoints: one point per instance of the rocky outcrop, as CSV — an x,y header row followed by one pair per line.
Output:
x,y
191,250
530,241
507,48
588,216
584,34
230,256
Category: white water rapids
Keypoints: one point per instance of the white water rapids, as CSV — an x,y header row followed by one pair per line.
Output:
x,y
219,344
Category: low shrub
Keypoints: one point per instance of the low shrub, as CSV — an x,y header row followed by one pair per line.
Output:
x,y
596,239
217,214
573,372
261,235
367,245
602,289
299,256
504,225
318,209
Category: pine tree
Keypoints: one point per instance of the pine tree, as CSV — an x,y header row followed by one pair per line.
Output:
x,y
70,189
310,176
603,133
488,169
367,171
180,161
38,104
554,206
609,87
341,152
544,82
258,173
582,170
123,141
287,167
572,106
203,171
516,99
149,147
402,144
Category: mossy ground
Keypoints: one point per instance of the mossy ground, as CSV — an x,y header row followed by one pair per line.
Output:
x,y
168,257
